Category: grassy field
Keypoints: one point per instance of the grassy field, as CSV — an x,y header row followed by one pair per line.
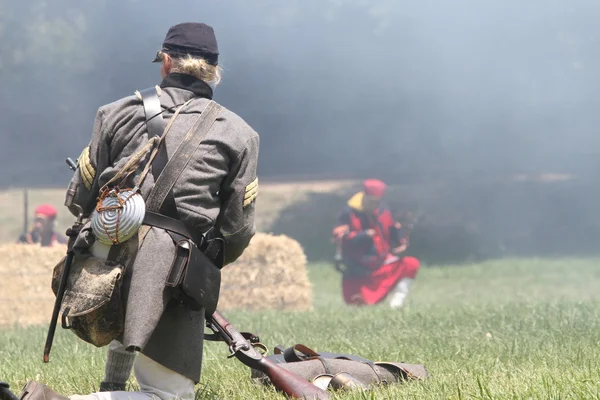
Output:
x,y
510,329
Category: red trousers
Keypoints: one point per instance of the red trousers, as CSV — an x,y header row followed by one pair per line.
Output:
x,y
374,288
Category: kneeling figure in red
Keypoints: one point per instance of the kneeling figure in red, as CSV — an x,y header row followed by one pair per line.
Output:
x,y
369,243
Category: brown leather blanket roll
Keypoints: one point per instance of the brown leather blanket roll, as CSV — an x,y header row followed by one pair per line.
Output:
x,y
340,371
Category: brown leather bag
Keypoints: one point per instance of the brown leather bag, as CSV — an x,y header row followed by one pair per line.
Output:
x,y
92,306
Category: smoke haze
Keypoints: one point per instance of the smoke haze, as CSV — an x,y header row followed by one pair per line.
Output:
x,y
408,91
406,88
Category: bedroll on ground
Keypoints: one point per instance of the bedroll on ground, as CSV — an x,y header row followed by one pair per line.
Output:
x,y
340,371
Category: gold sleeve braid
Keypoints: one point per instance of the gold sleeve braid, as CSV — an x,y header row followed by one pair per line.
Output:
x,y
86,169
251,192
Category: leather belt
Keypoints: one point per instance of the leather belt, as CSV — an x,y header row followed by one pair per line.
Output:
x,y
166,223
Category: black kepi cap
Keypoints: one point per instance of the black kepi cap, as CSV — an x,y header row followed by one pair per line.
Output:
x,y
193,38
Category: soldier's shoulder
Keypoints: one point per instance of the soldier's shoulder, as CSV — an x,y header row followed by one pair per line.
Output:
x,y
346,211
120,105
385,208
236,124
126,112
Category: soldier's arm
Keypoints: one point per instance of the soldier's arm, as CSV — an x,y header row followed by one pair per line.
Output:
x,y
22,238
352,236
89,165
61,238
239,193
342,227
398,234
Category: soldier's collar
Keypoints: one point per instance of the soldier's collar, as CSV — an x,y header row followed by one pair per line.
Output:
x,y
188,82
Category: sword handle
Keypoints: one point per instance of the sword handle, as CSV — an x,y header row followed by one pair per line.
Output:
x,y
72,164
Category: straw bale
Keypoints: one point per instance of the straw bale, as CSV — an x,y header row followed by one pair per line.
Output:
x,y
25,276
270,275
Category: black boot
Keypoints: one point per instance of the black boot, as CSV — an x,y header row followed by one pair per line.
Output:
x,y
5,393
112,387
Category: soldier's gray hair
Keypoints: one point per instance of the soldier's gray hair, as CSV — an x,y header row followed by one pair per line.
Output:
x,y
197,67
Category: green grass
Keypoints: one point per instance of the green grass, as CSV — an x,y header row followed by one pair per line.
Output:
x,y
510,329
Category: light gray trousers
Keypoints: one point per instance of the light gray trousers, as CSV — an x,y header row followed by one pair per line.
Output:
x,y
156,381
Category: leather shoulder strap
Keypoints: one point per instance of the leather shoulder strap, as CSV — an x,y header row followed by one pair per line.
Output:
x,y
180,159
153,111
156,125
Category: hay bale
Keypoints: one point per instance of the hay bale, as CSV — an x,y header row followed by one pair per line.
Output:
x,y
270,275
25,276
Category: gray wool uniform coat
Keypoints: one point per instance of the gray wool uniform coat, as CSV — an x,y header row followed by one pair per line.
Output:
x,y
220,183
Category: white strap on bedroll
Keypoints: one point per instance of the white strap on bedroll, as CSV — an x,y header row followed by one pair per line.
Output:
x,y
120,214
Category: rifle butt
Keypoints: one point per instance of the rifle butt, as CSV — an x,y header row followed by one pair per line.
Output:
x,y
282,379
290,383
57,304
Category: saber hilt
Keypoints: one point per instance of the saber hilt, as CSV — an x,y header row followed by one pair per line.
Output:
x,y
72,164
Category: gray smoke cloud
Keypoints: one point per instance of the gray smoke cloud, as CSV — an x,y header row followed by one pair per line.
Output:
x,y
408,91
340,87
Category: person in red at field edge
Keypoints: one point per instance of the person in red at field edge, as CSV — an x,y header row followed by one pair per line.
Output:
x,y
42,232
369,242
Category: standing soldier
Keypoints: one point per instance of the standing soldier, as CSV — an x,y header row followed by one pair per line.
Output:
x,y
42,232
369,244
213,198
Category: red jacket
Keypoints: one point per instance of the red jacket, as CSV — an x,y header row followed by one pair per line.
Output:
x,y
359,249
